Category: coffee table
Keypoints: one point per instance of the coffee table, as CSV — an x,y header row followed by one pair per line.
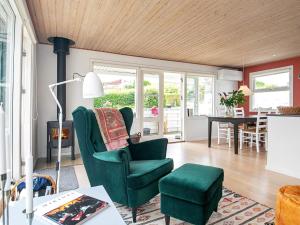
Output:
x,y
109,216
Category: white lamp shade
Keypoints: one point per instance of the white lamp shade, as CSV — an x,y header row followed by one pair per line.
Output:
x,y
92,86
246,91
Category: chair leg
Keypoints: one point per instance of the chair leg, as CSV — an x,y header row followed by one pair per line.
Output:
x,y
229,137
134,214
218,135
266,142
251,140
257,142
167,219
241,139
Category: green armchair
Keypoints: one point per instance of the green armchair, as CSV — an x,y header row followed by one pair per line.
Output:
x,y
129,175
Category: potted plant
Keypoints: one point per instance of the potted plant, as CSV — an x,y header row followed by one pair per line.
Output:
x,y
231,100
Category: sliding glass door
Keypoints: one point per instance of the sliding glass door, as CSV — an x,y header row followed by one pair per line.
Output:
x,y
173,106
162,105
152,109
156,97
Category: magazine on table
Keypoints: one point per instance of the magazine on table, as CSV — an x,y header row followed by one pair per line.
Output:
x,y
72,208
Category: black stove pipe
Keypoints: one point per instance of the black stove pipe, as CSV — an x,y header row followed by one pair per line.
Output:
x,y
61,48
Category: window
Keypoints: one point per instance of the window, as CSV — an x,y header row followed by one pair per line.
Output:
x,y
271,88
120,88
199,96
7,23
119,85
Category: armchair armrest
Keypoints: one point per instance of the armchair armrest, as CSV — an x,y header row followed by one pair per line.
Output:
x,y
118,156
114,157
149,150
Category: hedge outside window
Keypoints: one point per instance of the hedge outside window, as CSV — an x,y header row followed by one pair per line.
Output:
x,y
119,86
120,90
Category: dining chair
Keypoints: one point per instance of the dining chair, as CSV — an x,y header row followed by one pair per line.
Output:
x,y
257,133
225,130
239,112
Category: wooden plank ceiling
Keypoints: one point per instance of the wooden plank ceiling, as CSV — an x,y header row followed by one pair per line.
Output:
x,y
212,32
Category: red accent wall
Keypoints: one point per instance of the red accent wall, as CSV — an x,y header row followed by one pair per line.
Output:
x,y
272,65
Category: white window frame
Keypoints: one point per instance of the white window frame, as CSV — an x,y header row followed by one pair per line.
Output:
x,y
196,75
10,69
262,73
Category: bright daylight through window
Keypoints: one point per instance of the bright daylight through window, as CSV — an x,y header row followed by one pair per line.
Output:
x,y
119,86
199,96
271,88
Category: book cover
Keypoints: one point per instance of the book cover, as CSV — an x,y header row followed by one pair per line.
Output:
x,y
72,208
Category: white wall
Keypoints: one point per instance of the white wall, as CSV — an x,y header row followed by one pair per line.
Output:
x,y
80,61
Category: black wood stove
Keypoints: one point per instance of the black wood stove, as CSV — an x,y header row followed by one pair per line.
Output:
x,y
67,137
61,49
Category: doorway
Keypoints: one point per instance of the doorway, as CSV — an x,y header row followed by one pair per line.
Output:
x,y
152,106
173,106
162,105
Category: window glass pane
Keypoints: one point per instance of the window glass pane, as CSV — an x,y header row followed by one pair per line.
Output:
x,y
6,42
205,93
271,90
270,99
199,96
272,81
151,95
7,22
119,87
172,126
151,102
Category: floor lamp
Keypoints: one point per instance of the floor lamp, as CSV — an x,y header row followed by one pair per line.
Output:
x,y
91,88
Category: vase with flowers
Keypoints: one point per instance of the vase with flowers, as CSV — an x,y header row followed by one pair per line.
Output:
x,y
231,100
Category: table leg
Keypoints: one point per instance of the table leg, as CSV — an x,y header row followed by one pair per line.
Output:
x,y
235,136
209,132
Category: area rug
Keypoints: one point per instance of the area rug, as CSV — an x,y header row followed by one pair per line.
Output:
x,y
68,178
233,209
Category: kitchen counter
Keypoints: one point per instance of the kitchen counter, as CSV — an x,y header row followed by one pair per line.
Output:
x,y
284,144
286,115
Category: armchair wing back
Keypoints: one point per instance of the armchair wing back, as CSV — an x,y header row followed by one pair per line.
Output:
x,y
90,141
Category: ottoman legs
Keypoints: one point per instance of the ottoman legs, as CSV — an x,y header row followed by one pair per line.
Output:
x,y
167,219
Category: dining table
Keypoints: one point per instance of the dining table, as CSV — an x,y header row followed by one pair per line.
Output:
x,y
235,121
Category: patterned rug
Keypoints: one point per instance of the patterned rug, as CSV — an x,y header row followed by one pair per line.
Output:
x,y
233,209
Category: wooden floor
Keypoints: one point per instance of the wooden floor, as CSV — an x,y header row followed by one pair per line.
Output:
x,y
244,173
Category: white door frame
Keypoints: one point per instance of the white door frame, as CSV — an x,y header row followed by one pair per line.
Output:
x,y
27,96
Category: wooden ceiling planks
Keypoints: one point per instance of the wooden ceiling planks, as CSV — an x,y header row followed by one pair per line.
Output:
x,y
212,32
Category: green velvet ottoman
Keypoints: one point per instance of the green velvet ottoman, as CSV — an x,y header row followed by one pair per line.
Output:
x,y
191,193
